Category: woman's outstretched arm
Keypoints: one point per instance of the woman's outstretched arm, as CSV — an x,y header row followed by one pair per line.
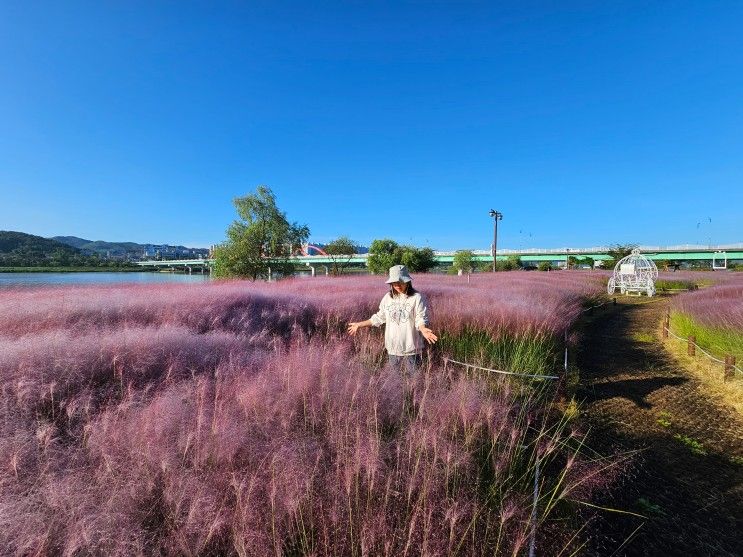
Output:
x,y
428,334
376,320
354,327
421,320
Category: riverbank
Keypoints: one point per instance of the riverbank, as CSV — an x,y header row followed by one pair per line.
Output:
x,y
41,279
74,270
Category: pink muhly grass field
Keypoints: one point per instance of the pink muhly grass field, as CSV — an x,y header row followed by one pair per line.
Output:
x,y
702,277
236,418
714,316
719,306
520,302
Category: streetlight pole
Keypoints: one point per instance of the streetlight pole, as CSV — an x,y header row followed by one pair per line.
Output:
x,y
496,217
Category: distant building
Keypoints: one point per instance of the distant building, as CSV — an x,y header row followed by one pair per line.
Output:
x,y
166,251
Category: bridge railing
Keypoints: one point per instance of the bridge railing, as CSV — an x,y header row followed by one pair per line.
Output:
x,y
598,252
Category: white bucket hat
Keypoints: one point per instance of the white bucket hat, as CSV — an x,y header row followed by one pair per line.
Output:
x,y
398,273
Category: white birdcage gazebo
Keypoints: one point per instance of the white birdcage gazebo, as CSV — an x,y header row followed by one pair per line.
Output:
x,y
634,274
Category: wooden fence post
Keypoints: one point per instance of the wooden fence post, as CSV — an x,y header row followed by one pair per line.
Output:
x,y
691,346
729,367
666,325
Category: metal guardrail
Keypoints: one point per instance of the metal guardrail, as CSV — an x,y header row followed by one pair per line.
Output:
x,y
604,249
559,253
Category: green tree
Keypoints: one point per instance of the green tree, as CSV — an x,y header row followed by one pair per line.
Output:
x,y
513,262
60,257
588,261
545,266
382,255
385,253
261,239
418,260
484,266
464,260
577,262
340,251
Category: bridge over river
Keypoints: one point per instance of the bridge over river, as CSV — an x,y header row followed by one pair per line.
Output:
x,y
718,256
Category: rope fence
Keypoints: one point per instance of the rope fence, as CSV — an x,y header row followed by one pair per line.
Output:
x,y
537,479
520,374
676,289
702,350
729,362
532,375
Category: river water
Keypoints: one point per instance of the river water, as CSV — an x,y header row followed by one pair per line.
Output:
x,y
8,280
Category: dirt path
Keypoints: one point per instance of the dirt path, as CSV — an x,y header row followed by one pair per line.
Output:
x,y
687,478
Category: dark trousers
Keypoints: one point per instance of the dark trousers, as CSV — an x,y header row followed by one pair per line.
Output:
x,y
407,364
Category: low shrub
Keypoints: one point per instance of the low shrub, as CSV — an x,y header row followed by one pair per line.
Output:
x,y
665,285
545,266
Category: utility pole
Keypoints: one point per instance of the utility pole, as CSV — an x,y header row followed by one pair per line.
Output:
x,y
496,217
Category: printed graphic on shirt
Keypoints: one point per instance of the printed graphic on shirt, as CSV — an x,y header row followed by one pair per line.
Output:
x,y
399,311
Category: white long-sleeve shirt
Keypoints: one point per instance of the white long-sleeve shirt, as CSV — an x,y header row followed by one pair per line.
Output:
x,y
402,315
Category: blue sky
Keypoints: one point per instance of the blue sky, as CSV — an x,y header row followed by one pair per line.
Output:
x,y
584,123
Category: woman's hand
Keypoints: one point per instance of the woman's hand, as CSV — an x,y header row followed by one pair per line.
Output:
x,y
353,328
428,335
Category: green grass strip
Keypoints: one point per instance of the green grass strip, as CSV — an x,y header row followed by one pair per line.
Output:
x,y
663,285
716,340
517,353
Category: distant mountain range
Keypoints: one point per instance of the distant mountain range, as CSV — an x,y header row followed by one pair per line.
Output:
x,y
21,249
28,250
97,245
18,249
20,242
129,249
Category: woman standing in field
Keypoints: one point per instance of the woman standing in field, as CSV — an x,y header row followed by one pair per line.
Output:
x,y
404,313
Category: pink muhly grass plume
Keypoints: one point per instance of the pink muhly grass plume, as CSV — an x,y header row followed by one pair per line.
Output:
x,y
718,306
272,456
58,373
230,307
521,302
702,277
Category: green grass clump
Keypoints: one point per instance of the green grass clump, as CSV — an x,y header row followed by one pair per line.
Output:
x,y
507,352
663,285
715,340
664,419
694,446
643,337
